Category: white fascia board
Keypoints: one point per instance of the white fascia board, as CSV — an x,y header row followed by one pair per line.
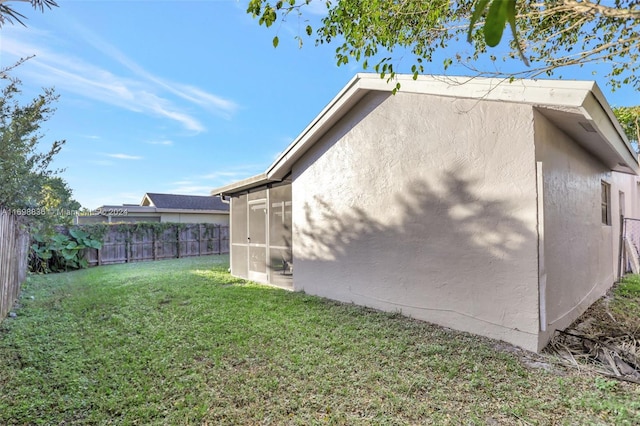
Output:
x,y
242,185
323,121
584,97
548,92
568,95
601,117
146,197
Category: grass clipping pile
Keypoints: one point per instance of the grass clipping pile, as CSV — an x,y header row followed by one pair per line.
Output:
x,y
605,340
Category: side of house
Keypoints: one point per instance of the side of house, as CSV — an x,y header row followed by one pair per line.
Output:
x,y
580,225
478,205
396,211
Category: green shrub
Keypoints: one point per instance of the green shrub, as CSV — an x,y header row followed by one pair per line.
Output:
x,y
61,252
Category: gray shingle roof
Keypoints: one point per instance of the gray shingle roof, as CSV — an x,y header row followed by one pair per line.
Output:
x,y
189,202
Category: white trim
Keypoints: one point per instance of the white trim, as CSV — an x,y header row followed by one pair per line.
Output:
x,y
542,270
582,98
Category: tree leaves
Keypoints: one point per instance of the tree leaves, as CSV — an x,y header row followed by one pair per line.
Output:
x,y
24,165
8,14
61,252
629,119
496,20
480,7
546,34
500,12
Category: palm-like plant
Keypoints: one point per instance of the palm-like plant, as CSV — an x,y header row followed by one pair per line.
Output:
x,y
8,14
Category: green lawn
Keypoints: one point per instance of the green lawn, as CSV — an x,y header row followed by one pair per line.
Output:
x,y
182,342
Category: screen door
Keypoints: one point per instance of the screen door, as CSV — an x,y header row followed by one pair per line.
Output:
x,y
257,239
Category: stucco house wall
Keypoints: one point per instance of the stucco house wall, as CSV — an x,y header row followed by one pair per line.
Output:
x,y
187,217
394,210
470,203
625,200
577,247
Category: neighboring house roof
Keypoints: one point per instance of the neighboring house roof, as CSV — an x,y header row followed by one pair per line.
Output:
x,y
183,202
577,107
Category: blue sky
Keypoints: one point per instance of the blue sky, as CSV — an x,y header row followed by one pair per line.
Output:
x,y
177,96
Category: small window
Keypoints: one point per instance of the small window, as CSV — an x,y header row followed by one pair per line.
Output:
x,y
606,203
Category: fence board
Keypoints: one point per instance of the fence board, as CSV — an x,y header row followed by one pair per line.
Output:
x,y
124,244
14,244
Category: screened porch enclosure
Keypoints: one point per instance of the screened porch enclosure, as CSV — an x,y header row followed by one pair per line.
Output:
x,y
261,236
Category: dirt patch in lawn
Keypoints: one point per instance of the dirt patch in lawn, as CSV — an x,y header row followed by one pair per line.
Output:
x,y
604,341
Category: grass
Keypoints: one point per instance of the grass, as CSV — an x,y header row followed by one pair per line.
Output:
x,y
183,342
626,303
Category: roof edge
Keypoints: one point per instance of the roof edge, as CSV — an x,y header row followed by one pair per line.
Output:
x,y
191,211
568,93
572,94
278,169
612,130
243,185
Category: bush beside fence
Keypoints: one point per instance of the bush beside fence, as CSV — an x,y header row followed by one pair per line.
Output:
x,y
14,246
126,243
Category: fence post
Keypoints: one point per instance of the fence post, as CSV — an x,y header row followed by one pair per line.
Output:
x,y
178,241
621,247
14,247
127,244
218,237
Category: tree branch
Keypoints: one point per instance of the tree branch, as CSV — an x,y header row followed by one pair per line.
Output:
x,y
595,9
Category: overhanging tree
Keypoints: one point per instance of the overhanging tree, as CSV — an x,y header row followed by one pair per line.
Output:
x,y
629,118
546,34
24,165
57,200
10,15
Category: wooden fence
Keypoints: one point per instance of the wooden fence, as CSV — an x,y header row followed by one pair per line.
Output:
x,y
128,243
14,246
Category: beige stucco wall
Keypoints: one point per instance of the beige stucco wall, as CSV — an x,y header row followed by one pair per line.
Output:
x,y
129,218
424,205
580,253
628,185
220,219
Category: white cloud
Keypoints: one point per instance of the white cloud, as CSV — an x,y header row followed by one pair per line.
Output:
x,y
187,92
222,175
140,92
124,156
234,173
164,142
203,184
204,99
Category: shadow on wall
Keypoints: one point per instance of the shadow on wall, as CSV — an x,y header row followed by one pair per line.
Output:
x,y
455,245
